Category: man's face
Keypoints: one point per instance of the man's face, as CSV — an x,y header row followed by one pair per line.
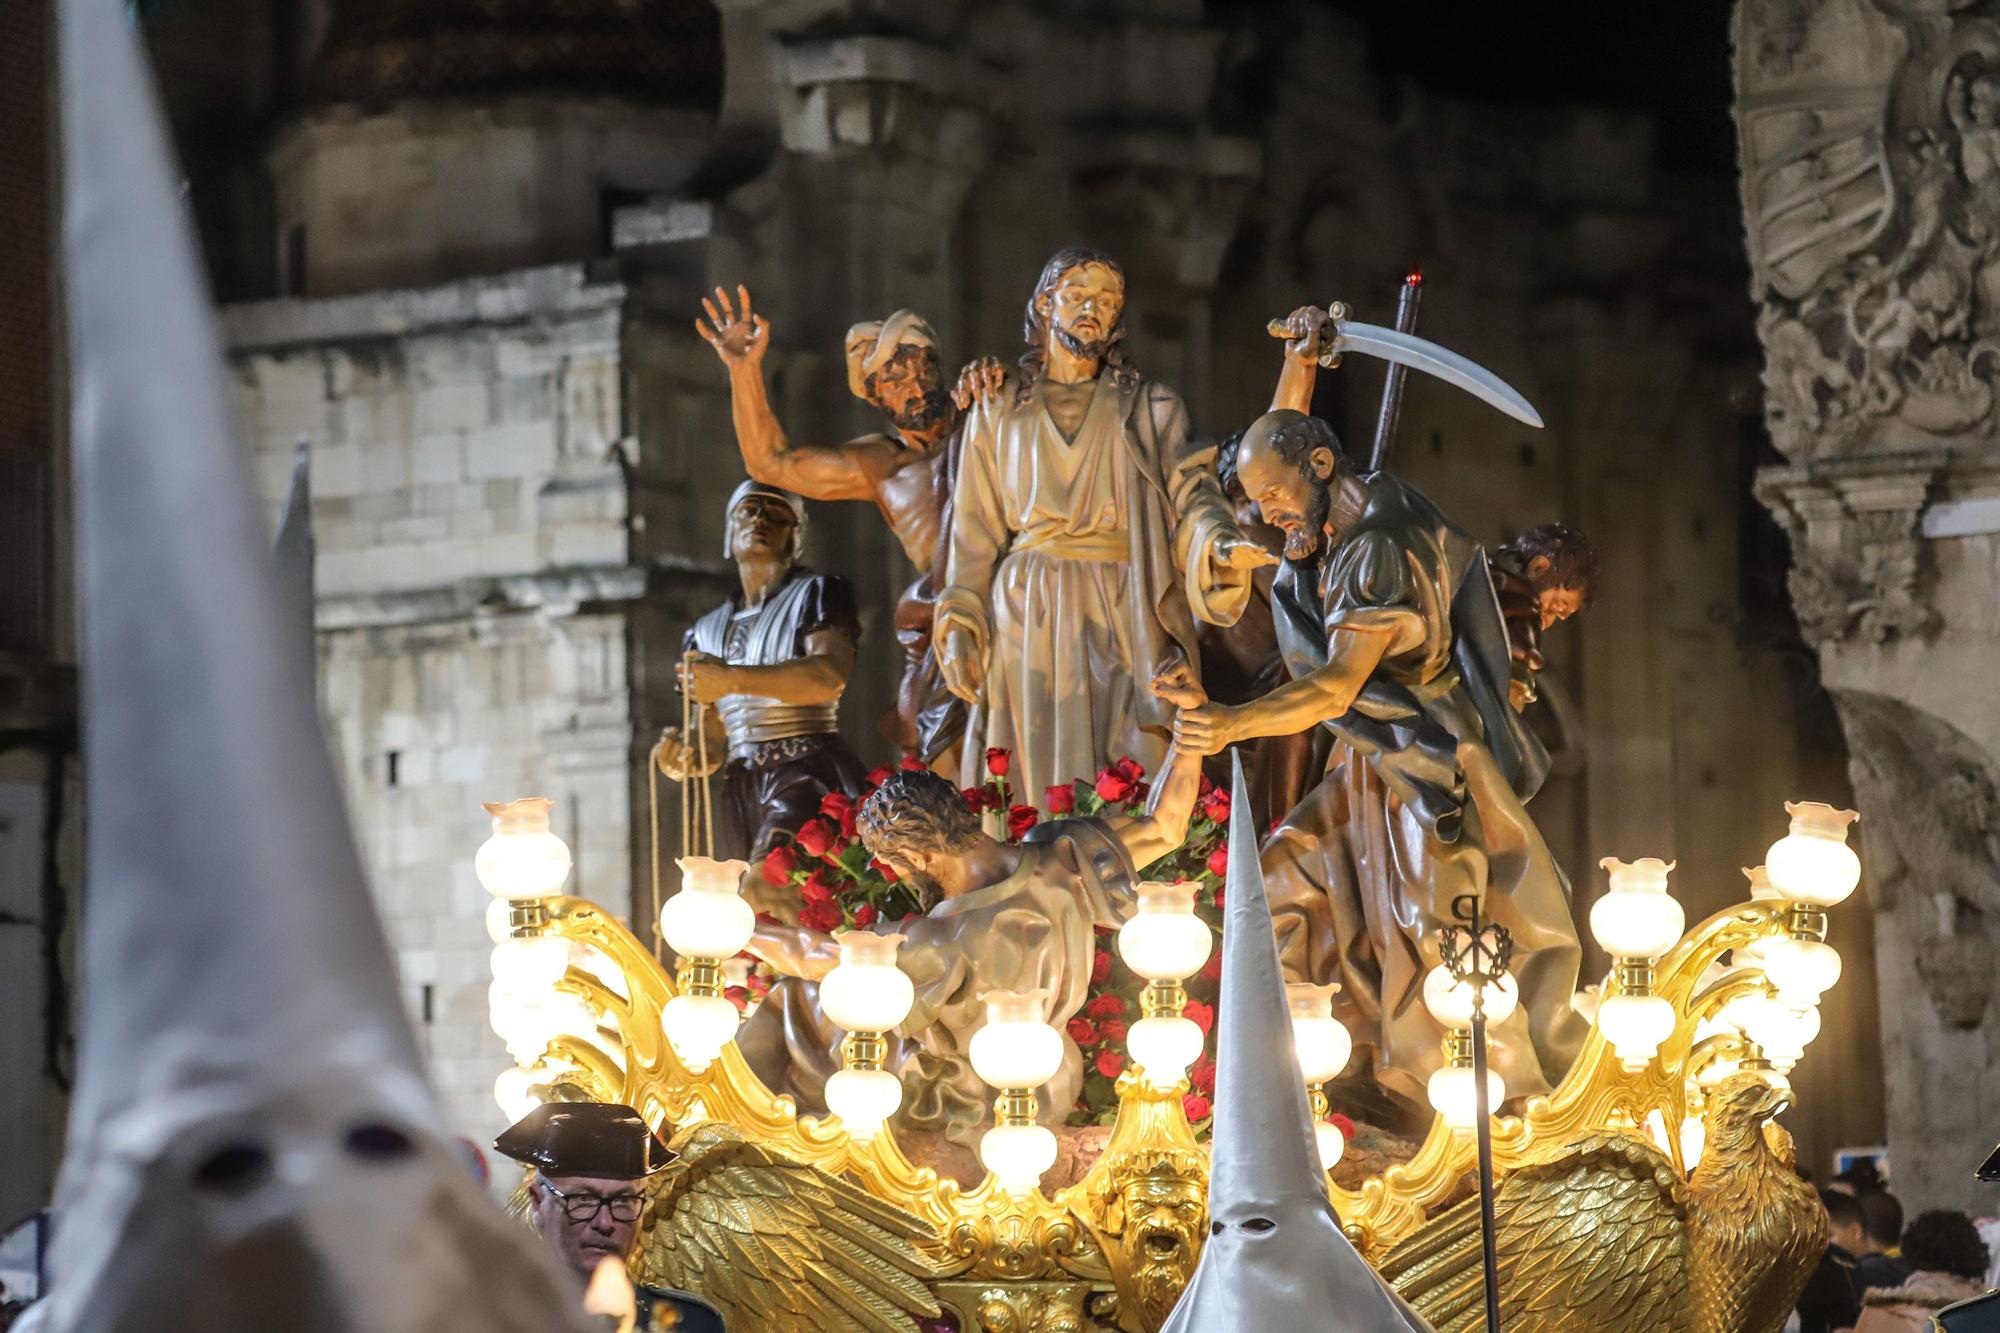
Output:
x,y
587,1218
1084,309
761,526
909,388
1849,1237
1287,497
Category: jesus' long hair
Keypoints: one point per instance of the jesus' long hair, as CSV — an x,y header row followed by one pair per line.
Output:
x,y
1035,326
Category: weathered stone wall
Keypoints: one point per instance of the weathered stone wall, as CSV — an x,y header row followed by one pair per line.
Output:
x,y
470,512
1871,160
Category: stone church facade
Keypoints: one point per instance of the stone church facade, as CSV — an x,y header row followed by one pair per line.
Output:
x,y
469,281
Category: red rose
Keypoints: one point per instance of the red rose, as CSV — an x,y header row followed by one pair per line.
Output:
x,y
1202,1077
1202,1015
1060,800
1106,1006
821,916
1112,1029
1020,819
978,798
911,764
1218,900
1215,805
1128,767
1196,1106
779,863
1081,1032
877,776
1114,787
1344,1125
998,761
737,996
1100,968
815,837
882,868
850,824
1218,860
1110,1064
817,888
835,805
864,915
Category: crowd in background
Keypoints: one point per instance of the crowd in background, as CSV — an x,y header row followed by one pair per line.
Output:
x,y
1880,1275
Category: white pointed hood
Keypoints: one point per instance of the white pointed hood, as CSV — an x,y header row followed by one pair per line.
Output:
x,y
252,1142
1275,1257
292,553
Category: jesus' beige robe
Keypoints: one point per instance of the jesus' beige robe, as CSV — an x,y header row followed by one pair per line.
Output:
x,y
1078,567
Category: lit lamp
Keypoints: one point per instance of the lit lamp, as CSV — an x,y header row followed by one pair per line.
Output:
x,y
1636,922
1811,868
1166,943
1780,1032
523,861
705,924
867,994
1323,1047
1454,1091
1016,1053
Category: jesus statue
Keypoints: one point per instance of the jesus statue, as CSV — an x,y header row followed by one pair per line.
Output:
x,y
1089,535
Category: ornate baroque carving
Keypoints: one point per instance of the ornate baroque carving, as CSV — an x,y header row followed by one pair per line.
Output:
x,y
1857,543
1870,136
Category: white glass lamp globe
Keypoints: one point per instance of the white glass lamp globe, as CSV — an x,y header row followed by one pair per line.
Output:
x,y
1163,1047
1321,1040
1450,1002
498,925
1454,1095
1017,1048
708,917
1760,885
1331,1143
698,1027
1637,918
1164,940
864,1099
1635,1025
866,991
523,860
1782,1031
1812,863
1802,970
1018,1155
529,966
514,1091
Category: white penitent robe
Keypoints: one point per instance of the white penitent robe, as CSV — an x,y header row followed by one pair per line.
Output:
x,y
1079,567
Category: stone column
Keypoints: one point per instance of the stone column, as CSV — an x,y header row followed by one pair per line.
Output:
x,y
1871,178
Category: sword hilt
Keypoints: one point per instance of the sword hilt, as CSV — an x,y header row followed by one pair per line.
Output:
x,y
1329,355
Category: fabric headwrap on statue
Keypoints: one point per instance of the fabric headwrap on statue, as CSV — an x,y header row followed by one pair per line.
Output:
x,y
750,488
871,344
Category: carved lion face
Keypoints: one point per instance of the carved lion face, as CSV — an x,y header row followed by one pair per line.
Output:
x,y
1163,1218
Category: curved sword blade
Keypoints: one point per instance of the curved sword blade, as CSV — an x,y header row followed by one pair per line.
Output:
x,y
1423,354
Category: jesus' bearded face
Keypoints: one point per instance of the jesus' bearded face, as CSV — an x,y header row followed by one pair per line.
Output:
x,y
1084,307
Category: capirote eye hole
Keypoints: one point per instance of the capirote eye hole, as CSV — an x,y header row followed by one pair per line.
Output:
x,y
233,1168
379,1142
1260,1225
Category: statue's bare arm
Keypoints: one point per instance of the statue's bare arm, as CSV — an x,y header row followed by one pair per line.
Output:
x,y
1293,707
1301,369
851,471
818,677
1163,828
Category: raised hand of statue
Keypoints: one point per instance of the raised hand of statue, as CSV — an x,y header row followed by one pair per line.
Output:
x,y
1178,685
1302,334
979,382
961,665
1204,729
739,336
1242,553
705,678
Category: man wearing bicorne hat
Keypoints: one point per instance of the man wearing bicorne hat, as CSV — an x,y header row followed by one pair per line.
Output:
x,y
592,1163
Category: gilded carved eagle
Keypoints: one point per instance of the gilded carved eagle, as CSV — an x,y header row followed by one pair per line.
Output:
x,y
1603,1236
